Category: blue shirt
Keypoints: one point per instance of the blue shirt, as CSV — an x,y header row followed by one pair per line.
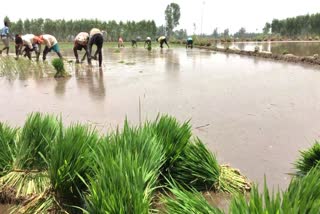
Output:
x,y
189,39
5,31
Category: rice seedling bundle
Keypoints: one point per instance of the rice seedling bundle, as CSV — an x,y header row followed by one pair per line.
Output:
x,y
7,147
308,159
181,201
302,196
174,138
28,175
69,163
196,167
126,172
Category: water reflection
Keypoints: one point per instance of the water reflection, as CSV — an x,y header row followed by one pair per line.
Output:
x,y
296,48
92,79
60,87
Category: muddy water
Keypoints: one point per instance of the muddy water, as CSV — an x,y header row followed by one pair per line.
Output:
x,y
299,48
253,113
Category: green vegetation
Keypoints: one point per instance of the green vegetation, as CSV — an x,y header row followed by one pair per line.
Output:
x,y
154,167
309,158
306,26
172,16
302,196
22,68
64,30
49,167
58,64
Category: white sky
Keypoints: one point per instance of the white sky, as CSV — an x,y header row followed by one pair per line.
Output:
x,y
232,14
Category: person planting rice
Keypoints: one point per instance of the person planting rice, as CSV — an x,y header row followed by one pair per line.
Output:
x,y
148,43
30,43
80,42
162,39
120,42
189,42
134,43
51,43
95,38
5,37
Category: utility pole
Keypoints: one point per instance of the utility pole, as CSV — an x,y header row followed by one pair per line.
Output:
x,y
203,3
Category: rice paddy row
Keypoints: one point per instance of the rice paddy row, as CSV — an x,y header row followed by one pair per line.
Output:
x,y
156,167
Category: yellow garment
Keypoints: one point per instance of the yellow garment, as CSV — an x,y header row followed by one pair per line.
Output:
x,y
95,31
161,38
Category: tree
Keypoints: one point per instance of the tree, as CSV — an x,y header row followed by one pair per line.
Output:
x,y
215,33
172,16
266,28
242,32
226,33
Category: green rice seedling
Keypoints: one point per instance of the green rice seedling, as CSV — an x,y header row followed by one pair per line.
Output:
x,y
126,172
38,132
69,162
174,137
181,201
59,66
196,167
308,159
302,196
28,175
8,138
257,203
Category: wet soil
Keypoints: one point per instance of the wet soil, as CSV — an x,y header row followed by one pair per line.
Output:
x,y
255,114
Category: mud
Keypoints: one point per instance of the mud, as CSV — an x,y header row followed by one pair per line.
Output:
x,y
255,114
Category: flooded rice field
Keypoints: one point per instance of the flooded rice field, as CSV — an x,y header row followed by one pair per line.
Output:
x,y
299,48
253,113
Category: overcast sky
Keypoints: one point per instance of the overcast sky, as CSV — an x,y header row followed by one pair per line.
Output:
x,y
232,14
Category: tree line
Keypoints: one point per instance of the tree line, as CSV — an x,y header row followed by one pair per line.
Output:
x,y
296,26
65,30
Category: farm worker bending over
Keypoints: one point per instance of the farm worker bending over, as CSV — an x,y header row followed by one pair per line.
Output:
x,y
81,41
5,37
51,43
120,42
189,42
148,43
95,38
30,43
162,39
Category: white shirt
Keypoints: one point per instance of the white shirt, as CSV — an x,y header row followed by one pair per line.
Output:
x,y
49,40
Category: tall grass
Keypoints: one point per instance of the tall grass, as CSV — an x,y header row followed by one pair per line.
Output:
x,y
308,159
